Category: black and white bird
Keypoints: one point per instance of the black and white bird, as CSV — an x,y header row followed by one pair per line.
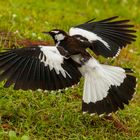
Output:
x,y
106,88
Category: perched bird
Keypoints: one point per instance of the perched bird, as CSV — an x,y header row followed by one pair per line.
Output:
x,y
106,88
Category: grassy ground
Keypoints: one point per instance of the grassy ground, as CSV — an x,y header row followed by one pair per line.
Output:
x,y
40,116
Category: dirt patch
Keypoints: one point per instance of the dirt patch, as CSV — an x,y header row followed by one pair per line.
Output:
x,y
11,40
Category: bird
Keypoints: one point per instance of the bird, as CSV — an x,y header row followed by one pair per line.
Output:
x,y
106,88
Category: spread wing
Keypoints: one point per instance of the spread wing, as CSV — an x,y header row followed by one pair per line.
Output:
x,y
39,67
106,37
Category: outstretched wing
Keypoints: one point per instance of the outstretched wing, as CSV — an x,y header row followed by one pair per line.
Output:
x,y
39,67
106,37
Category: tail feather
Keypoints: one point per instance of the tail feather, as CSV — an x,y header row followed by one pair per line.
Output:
x,y
107,88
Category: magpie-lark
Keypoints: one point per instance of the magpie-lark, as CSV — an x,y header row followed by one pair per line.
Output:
x,y
106,88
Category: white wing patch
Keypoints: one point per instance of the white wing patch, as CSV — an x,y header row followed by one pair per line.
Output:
x,y
98,80
53,59
89,35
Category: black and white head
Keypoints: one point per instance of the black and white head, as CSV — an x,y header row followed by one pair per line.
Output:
x,y
57,35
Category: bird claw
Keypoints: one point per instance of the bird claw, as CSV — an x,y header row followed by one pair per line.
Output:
x,y
83,60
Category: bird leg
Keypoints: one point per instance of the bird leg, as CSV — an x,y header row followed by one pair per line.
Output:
x,y
84,58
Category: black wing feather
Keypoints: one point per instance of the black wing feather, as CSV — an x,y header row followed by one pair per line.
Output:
x,y
26,68
116,33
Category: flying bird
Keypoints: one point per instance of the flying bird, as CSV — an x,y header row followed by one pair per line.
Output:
x,y
106,88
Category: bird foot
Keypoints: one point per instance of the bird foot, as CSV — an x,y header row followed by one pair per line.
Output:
x,y
83,60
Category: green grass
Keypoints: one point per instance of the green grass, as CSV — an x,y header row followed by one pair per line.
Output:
x,y
39,115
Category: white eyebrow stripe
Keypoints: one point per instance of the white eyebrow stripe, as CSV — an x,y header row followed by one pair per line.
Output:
x,y
55,32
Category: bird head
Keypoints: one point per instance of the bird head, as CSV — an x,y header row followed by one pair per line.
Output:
x,y
57,35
